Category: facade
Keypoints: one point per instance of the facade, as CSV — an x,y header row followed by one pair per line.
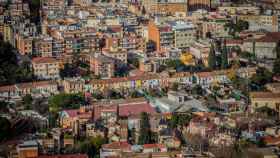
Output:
x,y
265,99
165,6
45,68
199,4
28,149
184,34
161,35
102,65
264,46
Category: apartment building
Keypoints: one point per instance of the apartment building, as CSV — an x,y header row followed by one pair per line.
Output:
x,y
45,67
28,149
239,10
43,46
102,65
24,44
261,22
265,99
165,6
184,34
214,25
199,4
264,46
161,35
119,55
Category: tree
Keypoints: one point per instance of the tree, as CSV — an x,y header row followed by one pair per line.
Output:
x,y
175,86
68,101
11,71
5,129
198,90
262,77
276,67
27,101
239,26
277,49
224,57
143,10
212,58
69,71
91,146
145,129
179,120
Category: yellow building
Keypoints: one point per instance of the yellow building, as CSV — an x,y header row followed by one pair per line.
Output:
x,y
8,33
265,99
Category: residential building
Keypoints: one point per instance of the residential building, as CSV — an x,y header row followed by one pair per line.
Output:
x,y
45,67
161,35
28,149
199,4
265,99
184,34
102,65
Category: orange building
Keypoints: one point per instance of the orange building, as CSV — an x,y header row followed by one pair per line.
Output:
x,y
24,44
28,149
161,35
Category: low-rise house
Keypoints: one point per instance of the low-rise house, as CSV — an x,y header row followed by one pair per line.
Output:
x,y
114,149
267,152
70,118
201,126
35,89
152,148
28,149
73,85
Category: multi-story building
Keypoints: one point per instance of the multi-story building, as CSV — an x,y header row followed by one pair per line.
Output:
x,y
265,99
214,26
19,8
199,4
28,149
73,85
24,44
45,67
261,22
161,35
264,46
43,46
165,6
239,10
184,34
120,56
102,65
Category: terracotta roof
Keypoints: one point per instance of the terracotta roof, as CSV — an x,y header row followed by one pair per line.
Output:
x,y
35,84
76,113
264,95
153,146
7,88
272,140
269,37
135,109
117,146
39,60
